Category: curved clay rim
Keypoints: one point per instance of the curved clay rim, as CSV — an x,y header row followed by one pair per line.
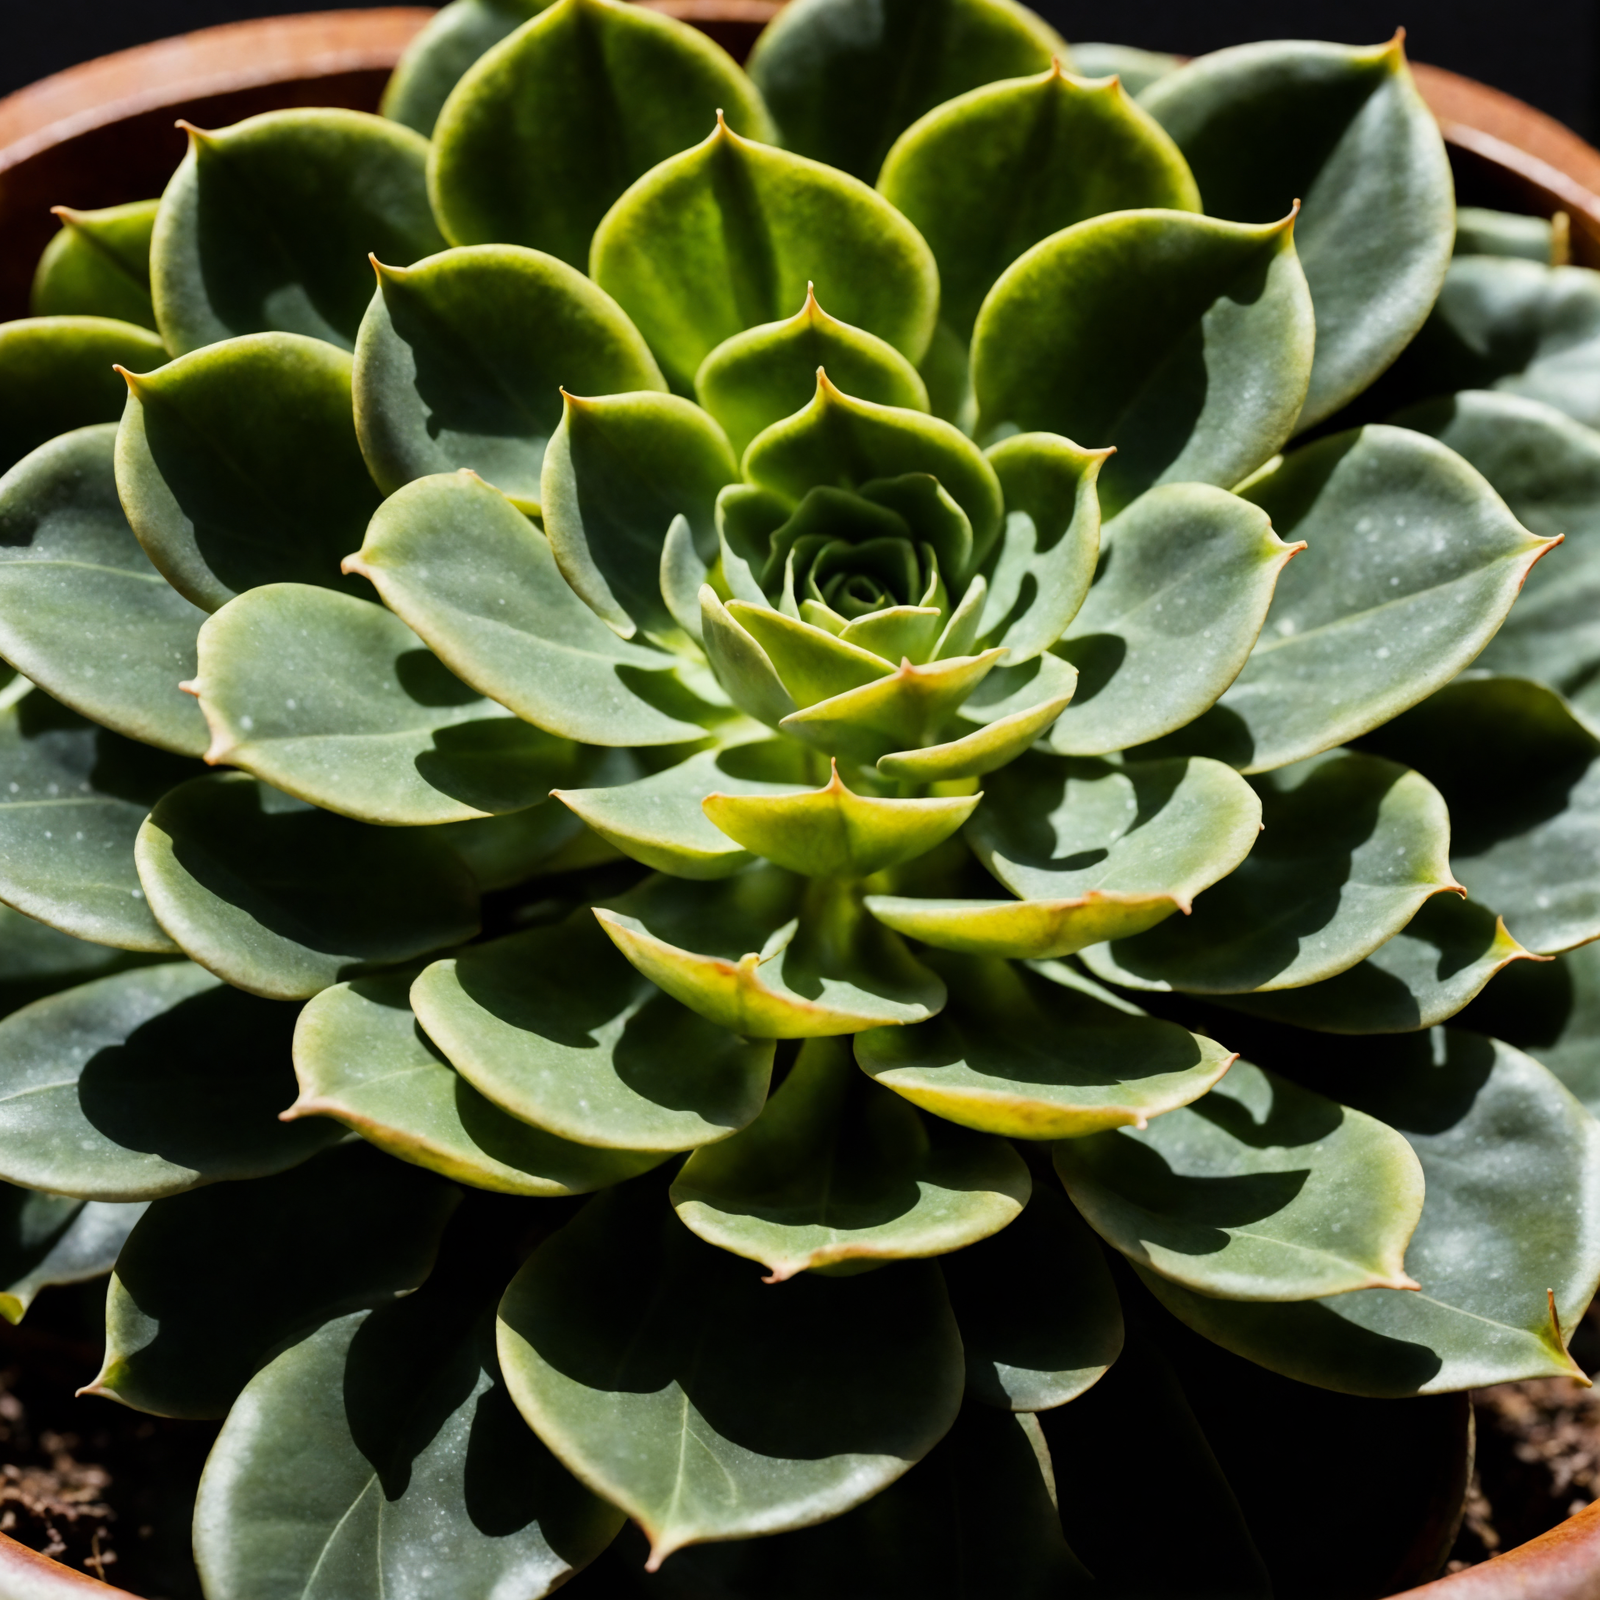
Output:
x,y
102,132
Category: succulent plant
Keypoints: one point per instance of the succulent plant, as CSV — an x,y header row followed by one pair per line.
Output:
x,y
825,717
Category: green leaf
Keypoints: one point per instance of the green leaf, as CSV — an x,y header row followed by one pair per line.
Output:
x,y
59,373
47,1239
742,667
72,797
361,1057
1046,557
1482,232
384,1449
987,176
557,1029
82,611
1137,68
1039,1316
1413,562
768,956
1495,1236
729,235
238,465
659,820
434,61
211,1285
1184,341
461,359
767,373
1345,132
845,79
1186,576
990,748
617,472
1095,851
268,225
112,1090
1519,772
837,1172
283,900
1352,847
644,1359
834,833
98,265
1546,467
1038,1054
336,701
1260,1191
840,442
549,128
813,664
1424,975
37,960
477,580
1009,691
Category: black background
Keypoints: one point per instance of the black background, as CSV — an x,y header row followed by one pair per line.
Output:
x,y
1544,51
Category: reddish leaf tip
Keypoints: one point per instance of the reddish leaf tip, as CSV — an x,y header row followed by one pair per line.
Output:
x,y
190,686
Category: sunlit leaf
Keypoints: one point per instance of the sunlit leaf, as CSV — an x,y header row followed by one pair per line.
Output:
x,y
98,265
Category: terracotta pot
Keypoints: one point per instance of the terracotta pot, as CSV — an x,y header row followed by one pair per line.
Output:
x,y
103,132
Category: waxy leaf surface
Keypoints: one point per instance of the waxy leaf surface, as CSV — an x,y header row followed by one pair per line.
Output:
x,y
557,1029
48,1239
1038,1054
1259,1190
1184,341
278,1257
836,1170
98,265
82,611
436,59
268,224
643,1358
113,1090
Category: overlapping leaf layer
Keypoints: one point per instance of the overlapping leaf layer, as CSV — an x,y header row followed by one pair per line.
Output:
x,y
825,717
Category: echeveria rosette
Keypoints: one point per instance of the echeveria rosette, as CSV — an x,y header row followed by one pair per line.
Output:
x,y
822,717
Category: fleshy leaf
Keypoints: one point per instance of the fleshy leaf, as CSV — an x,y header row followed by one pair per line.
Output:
x,y
727,237
835,833
461,359
281,1255
1039,1316
336,701
837,1172
37,960
238,465
1095,851
768,373
1184,341
48,1239
476,579
82,611
112,1090
1424,975
59,373
1546,467
1413,562
744,670
1521,775
845,79
1038,1055
1351,849
1186,576
987,176
1345,132
72,797
1137,68
768,957
813,664
618,470
997,744
434,61
1482,232
1496,1237
1046,557
98,265
658,820
1260,1190
643,1358
557,1029
361,1058
283,900
268,224
523,152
